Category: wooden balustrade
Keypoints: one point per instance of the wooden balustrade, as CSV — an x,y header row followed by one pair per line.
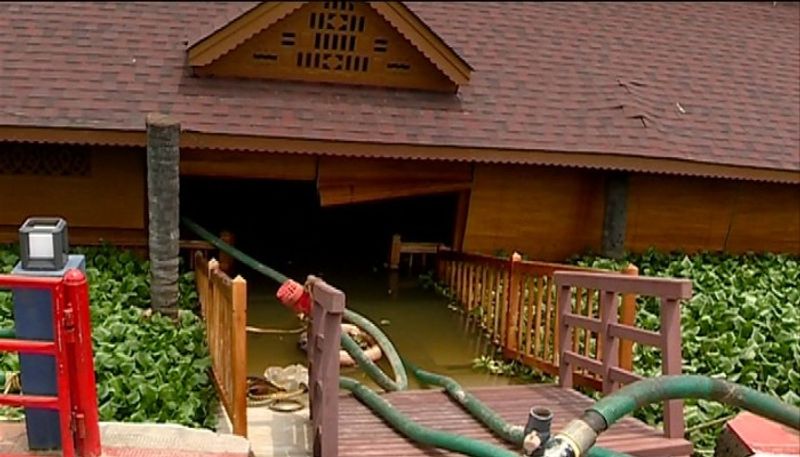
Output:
x,y
223,304
609,330
400,247
515,303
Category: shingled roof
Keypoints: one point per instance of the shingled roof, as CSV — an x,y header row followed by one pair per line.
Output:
x,y
696,83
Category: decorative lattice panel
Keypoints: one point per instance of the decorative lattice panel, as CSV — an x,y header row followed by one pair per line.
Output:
x,y
44,160
342,42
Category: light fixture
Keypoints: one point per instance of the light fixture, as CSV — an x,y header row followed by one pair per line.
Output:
x,y
43,243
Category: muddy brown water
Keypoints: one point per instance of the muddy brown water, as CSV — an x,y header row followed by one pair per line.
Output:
x,y
418,321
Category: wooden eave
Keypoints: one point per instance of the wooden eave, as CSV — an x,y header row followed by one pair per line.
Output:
x,y
602,161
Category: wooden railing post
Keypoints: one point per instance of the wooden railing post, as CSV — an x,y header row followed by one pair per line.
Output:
x,y
239,356
672,363
323,360
394,254
607,343
627,317
513,297
225,260
563,299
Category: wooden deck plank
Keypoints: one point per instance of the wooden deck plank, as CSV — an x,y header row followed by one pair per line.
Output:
x,y
362,434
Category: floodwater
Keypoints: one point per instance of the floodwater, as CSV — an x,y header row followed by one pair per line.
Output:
x,y
419,323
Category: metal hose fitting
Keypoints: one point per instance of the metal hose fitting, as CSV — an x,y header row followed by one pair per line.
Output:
x,y
575,439
537,431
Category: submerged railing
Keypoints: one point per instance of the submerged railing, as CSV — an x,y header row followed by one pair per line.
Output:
x,y
223,303
515,303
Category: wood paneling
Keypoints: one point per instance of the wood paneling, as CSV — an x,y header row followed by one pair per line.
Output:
x,y
766,217
672,212
692,214
247,164
111,196
343,181
546,213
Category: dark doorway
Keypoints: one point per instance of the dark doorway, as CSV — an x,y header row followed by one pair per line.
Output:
x,y
282,224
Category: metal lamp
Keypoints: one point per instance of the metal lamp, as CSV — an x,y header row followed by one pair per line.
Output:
x,y
44,243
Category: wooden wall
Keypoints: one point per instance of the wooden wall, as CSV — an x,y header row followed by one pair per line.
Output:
x,y
247,164
674,212
107,203
545,212
551,213
345,181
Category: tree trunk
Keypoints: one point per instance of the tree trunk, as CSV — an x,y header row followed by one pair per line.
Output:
x,y
163,186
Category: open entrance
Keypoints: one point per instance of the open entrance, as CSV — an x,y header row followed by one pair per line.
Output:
x,y
282,224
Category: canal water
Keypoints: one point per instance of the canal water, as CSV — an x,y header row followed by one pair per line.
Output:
x,y
419,322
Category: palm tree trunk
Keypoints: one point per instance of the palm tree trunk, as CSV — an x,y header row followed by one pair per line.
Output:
x,y
163,186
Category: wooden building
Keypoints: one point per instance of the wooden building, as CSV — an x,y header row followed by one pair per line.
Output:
x,y
561,127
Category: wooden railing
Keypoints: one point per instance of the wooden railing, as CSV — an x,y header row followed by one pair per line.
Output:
x,y
400,247
515,302
323,363
223,303
609,331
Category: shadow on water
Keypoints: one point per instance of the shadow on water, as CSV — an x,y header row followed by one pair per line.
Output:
x,y
419,323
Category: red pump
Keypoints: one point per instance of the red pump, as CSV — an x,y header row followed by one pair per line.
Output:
x,y
294,296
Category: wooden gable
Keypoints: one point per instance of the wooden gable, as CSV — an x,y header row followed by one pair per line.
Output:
x,y
381,44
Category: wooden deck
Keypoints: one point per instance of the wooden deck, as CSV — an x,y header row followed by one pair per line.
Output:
x,y
362,434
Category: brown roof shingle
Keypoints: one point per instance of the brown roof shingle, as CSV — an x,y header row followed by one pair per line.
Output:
x,y
703,82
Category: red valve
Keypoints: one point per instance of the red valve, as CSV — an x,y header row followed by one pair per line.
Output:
x,y
293,295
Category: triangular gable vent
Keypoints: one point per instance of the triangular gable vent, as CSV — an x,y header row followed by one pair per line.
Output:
x,y
364,43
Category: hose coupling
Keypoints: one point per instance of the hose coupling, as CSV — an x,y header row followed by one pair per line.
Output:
x,y
573,441
537,431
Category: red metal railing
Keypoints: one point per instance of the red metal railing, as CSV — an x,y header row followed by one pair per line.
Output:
x,y
76,401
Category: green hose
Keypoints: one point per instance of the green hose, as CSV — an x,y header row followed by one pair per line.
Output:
x,y
511,433
514,434
381,407
633,396
401,379
610,409
419,433
233,252
581,434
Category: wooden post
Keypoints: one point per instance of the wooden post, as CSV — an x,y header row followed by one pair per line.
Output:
x,y
671,363
627,317
513,294
394,254
616,214
239,356
564,304
460,222
607,343
163,189
225,260
323,357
